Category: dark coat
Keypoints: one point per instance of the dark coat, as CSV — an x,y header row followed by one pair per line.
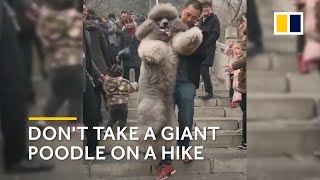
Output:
x,y
101,53
211,32
130,40
194,64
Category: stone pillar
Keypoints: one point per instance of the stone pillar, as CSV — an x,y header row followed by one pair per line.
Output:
x,y
231,35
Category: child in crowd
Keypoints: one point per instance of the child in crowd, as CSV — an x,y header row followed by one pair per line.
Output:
x,y
117,90
240,49
233,96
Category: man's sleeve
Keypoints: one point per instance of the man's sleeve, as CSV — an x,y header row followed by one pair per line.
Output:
x,y
215,31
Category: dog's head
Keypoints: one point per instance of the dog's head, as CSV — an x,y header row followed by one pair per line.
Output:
x,y
163,14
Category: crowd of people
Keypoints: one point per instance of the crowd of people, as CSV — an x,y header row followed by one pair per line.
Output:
x,y
109,52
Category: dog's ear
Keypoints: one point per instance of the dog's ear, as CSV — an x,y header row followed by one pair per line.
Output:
x,y
162,11
145,28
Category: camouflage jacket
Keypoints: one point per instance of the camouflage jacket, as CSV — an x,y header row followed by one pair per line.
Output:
x,y
118,89
241,63
61,34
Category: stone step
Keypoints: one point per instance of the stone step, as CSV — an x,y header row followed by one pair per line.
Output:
x,y
260,62
217,161
284,62
222,176
269,82
198,112
283,137
307,83
224,138
277,62
225,123
198,102
295,167
263,106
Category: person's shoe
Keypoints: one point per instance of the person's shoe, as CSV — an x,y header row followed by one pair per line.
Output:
x,y
208,96
29,166
242,146
186,159
165,172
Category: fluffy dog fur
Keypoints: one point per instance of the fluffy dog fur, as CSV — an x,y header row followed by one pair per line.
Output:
x,y
163,37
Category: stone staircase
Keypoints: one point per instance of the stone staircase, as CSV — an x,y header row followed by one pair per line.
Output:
x,y
222,159
281,106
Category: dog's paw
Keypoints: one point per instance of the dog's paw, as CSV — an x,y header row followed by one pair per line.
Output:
x,y
186,43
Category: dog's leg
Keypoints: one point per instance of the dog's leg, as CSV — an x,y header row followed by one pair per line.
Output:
x,y
186,43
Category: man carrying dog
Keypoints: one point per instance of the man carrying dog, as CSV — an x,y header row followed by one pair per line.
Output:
x,y
188,77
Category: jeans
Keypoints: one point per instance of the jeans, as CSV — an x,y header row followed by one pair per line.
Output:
x,y
184,95
206,78
231,90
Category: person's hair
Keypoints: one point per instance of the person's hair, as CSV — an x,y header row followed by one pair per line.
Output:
x,y
243,44
124,12
195,3
61,4
112,15
91,12
96,18
206,3
115,71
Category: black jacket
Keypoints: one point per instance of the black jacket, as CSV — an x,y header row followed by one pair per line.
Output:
x,y
211,32
101,53
130,40
194,64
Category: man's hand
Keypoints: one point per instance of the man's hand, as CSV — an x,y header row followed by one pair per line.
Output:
x,y
101,79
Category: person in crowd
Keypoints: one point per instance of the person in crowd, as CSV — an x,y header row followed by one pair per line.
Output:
x,y
231,58
254,30
60,22
188,78
129,54
13,104
101,54
114,32
118,89
122,19
210,26
90,72
240,63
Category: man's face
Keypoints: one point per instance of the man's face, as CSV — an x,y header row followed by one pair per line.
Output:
x,y
85,12
124,17
206,10
190,15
